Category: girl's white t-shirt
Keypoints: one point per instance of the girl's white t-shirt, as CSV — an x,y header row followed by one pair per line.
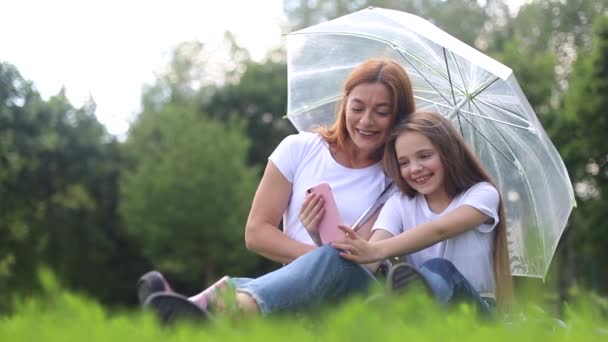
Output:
x,y
471,252
305,160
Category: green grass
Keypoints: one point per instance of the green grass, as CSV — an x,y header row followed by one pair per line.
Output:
x,y
62,316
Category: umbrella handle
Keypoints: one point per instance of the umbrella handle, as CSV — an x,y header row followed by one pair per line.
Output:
x,y
386,193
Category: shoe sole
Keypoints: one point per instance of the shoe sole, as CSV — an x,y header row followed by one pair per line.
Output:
x,y
149,284
171,307
402,276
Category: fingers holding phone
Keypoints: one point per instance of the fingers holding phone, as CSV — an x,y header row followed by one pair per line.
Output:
x,y
325,219
311,213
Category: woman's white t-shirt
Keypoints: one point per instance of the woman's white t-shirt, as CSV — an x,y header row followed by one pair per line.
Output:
x,y
471,252
305,160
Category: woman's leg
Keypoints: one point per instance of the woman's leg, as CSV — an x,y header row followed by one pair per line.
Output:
x,y
207,297
314,278
450,286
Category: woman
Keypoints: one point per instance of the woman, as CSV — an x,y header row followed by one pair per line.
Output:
x,y
377,95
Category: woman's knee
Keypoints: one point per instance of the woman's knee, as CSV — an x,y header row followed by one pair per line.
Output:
x,y
327,256
317,260
325,252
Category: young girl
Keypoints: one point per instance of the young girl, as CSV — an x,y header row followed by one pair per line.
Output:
x,y
448,218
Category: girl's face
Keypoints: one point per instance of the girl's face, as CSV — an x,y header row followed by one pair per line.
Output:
x,y
420,164
369,116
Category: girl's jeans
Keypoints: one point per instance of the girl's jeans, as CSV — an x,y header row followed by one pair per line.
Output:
x,y
449,286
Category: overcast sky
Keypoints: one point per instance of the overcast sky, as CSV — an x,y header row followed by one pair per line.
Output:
x,y
110,48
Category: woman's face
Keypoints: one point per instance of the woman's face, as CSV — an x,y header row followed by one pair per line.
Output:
x,y
420,164
369,116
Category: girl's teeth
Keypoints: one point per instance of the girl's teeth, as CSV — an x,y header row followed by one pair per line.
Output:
x,y
365,132
422,179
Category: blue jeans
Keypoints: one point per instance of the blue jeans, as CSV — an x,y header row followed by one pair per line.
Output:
x,y
317,277
449,286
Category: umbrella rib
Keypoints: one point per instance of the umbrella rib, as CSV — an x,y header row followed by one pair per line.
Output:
x,y
398,48
403,54
525,128
520,170
490,142
422,75
447,68
321,102
530,129
359,35
506,110
464,80
484,87
455,109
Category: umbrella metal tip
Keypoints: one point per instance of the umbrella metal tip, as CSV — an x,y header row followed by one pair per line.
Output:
x,y
370,7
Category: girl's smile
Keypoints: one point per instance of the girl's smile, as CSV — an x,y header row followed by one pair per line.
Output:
x,y
421,166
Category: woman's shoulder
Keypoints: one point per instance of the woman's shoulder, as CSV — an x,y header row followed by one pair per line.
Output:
x,y
303,138
296,147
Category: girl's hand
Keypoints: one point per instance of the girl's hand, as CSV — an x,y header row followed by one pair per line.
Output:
x,y
356,249
311,212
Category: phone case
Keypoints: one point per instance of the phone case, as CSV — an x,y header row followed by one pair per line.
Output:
x,y
328,226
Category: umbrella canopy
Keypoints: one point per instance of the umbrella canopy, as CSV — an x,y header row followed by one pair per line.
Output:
x,y
480,95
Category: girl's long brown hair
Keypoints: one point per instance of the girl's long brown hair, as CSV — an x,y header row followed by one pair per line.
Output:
x,y
462,170
384,71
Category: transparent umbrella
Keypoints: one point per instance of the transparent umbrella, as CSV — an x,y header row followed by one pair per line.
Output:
x,y
480,95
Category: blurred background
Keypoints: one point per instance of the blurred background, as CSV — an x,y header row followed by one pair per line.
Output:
x,y
133,135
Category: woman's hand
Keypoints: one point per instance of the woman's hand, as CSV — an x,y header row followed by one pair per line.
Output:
x,y
356,249
311,212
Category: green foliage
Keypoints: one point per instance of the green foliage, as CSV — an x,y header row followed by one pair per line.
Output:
x,y
58,177
446,14
186,195
581,136
61,316
535,72
260,98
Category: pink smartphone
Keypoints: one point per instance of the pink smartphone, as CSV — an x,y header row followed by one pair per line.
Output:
x,y
328,227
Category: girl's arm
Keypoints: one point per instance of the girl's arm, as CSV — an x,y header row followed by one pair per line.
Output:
x,y
262,234
458,221
377,235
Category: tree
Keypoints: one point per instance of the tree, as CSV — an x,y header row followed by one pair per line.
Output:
x,y
187,191
58,185
259,97
447,15
581,136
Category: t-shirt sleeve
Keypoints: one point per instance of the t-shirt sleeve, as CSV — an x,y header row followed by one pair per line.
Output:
x,y
390,216
484,197
287,154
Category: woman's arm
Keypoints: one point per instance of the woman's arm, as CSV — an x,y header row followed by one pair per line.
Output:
x,y
262,235
458,221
